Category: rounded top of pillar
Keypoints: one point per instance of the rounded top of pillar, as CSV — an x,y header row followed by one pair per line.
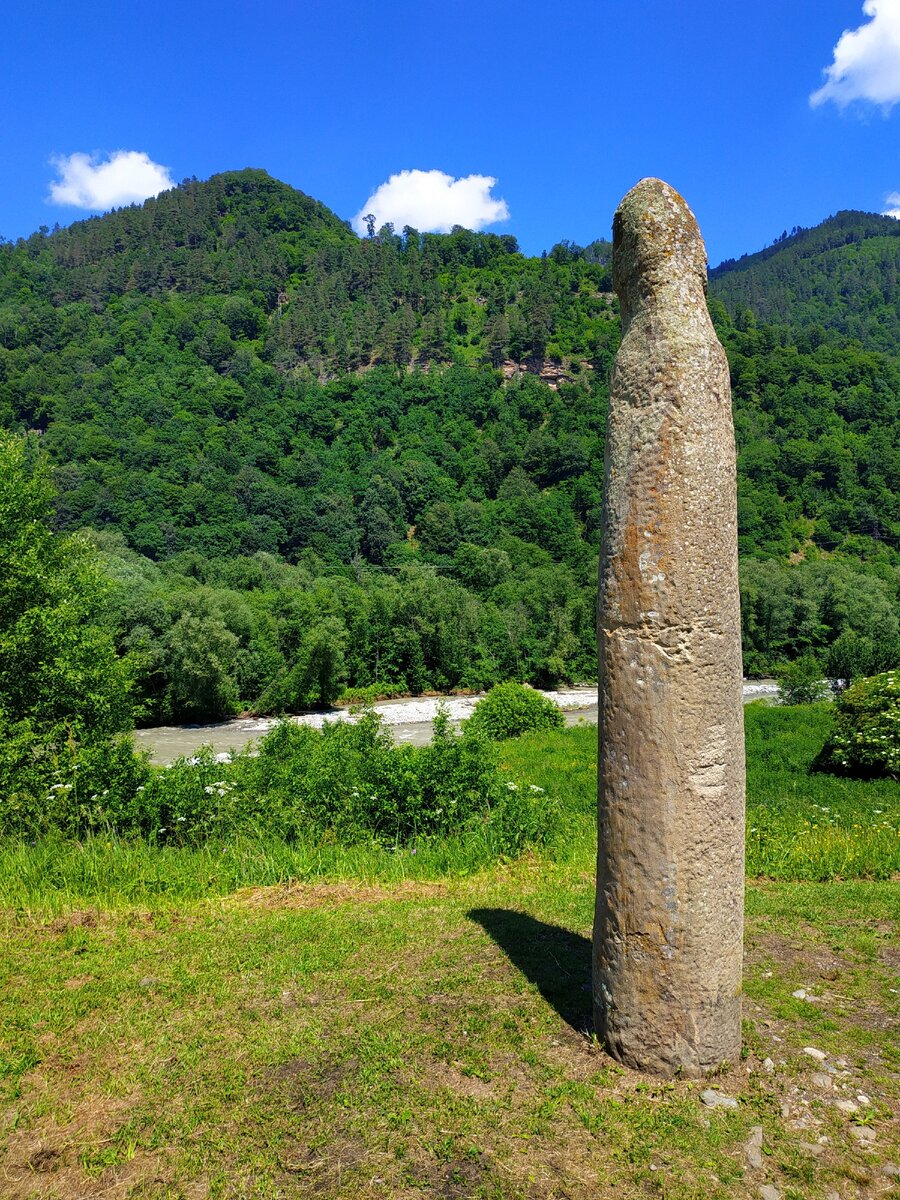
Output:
x,y
656,242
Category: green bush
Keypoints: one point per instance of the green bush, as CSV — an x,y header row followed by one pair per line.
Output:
x,y
511,709
347,784
357,697
866,735
350,782
802,681
54,780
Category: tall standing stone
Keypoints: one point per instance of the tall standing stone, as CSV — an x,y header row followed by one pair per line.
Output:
x,y
670,869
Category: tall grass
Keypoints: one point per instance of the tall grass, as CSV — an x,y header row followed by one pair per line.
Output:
x,y
801,825
806,824
56,873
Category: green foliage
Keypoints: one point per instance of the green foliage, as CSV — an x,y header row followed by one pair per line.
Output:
x,y
362,697
801,681
854,656
315,679
200,652
511,709
351,782
842,275
841,611
866,735
64,694
303,468
51,783
803,823
346,784
58,667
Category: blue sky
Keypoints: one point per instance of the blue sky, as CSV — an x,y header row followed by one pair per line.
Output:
x,y
565,108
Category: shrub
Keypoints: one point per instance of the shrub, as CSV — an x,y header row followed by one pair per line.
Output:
x,y
866,735
191,800
802,681
358,697
351,783
347,784
511,709
51,780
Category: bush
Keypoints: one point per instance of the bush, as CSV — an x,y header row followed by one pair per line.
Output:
x,y
51,780
802,681
511,709
359,697
346,784
866,735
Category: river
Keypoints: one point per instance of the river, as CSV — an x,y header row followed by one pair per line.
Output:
x,y
409,720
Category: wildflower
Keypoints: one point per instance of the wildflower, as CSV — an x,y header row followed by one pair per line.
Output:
x,y
512,787
533,787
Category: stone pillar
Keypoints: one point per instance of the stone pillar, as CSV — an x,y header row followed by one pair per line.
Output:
x,y
670,867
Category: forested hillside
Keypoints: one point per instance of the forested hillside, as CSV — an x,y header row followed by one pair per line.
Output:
x,y
311,459
841,277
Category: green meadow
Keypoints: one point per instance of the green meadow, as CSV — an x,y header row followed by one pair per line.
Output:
x,y
257,1018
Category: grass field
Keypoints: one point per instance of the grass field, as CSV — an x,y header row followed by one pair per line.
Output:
x,y
260,1020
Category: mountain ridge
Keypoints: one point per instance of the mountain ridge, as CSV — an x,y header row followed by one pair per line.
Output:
x,y
297,447
228,304
841,277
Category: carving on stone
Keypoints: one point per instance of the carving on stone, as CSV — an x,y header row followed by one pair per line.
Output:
x,y
670,868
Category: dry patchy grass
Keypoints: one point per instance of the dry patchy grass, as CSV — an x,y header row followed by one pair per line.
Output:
x,y
428,1041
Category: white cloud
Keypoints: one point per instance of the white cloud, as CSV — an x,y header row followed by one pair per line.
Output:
x,y
433,202
893,206
866,60
125,177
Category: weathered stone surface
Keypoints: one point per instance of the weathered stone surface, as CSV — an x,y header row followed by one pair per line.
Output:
x,y
669,918
753,1148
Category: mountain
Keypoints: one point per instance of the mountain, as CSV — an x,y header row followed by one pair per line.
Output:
x,y
841,276
218,369
241,230
296,447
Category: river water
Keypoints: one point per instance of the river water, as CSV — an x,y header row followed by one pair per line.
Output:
x,y
409,720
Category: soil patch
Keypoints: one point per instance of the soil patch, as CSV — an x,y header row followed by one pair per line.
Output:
x,y
327,895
